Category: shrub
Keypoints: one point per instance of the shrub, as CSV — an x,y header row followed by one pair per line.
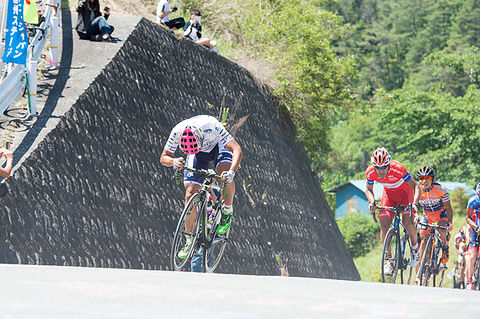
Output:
x,y
360,233
459,201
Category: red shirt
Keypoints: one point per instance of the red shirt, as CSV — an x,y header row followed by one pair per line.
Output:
x,y
395,180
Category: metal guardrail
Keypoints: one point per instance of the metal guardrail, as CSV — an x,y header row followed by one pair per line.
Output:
x,y
16,80
12,86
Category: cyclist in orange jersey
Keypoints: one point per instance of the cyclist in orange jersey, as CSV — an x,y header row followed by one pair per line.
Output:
x,y
435,201
398,189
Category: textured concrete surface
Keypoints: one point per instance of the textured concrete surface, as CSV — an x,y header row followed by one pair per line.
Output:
x,y
75,292
60,87
91,192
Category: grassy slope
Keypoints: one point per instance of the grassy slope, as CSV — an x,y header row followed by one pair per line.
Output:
x,y
369,265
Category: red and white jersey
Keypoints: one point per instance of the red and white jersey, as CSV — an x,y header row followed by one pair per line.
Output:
x,y
395,180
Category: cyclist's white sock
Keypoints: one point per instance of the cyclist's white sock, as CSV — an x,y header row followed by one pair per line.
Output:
x,y
228,209
189,239
415,247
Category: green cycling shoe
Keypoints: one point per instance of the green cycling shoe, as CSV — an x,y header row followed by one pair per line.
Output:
x,y
225,223
182,254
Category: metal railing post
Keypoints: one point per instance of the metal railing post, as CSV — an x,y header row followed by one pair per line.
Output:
x,y
54,23
32,87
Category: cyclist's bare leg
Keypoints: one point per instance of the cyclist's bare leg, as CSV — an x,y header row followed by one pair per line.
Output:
x,y
470,262
462,273
385,223
443,232
421,249
190,190
411,229
230,189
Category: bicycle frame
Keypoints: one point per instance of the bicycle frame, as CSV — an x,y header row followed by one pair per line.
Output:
x,y
209,182
401,262
434,235
203,236
476,271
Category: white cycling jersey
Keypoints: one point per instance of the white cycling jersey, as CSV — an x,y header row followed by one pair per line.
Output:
x,y
213,131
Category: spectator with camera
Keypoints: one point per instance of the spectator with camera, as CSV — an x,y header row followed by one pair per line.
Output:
x,y
163,11
91,24
193,30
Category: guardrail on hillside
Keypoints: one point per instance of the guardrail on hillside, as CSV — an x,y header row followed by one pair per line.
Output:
x,y
17,76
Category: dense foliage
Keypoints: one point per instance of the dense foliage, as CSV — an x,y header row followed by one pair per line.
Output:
x,y
360,233
357,74
418,85
297,37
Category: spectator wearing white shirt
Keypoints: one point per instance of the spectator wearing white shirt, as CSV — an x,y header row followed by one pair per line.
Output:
x,y
163,10
193,30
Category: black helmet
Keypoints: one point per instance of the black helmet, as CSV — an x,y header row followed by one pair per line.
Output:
x,y
426,171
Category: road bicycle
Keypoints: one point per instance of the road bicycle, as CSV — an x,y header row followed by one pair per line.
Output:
x,y
457,274
431,266
205,239
476,272
396,246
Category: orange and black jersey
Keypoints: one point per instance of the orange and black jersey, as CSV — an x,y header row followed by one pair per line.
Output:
x,y
433,200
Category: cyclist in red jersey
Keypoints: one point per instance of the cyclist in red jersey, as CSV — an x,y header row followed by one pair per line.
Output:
x,y
398,189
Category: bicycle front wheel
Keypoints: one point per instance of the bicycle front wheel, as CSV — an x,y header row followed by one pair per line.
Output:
x,y
406,251
391,255
476,274
191,210
426,267
440,282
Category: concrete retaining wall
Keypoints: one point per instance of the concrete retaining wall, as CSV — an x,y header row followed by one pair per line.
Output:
x,y
95,194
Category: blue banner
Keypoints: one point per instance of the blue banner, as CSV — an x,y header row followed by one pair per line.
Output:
x,y
16,40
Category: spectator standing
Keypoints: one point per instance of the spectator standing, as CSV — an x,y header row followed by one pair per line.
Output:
x,y
163,11
193,30
91,22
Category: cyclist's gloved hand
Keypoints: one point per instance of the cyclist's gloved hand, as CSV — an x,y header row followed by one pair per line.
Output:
x,y
228,176
178,162
414,208
371,207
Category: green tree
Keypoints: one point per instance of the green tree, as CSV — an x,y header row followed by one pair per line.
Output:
x,y
314,82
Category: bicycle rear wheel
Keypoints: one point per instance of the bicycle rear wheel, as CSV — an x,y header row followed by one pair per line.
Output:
x,y
191,210
425,268
213,255
391,254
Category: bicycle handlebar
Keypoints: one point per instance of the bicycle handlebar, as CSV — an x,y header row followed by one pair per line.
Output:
x,y
204,173
393,209
396,209
433,225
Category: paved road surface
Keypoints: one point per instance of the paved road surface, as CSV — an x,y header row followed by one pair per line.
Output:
x,y
75,292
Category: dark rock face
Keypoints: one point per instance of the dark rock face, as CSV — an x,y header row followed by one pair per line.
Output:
x,y
95,194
